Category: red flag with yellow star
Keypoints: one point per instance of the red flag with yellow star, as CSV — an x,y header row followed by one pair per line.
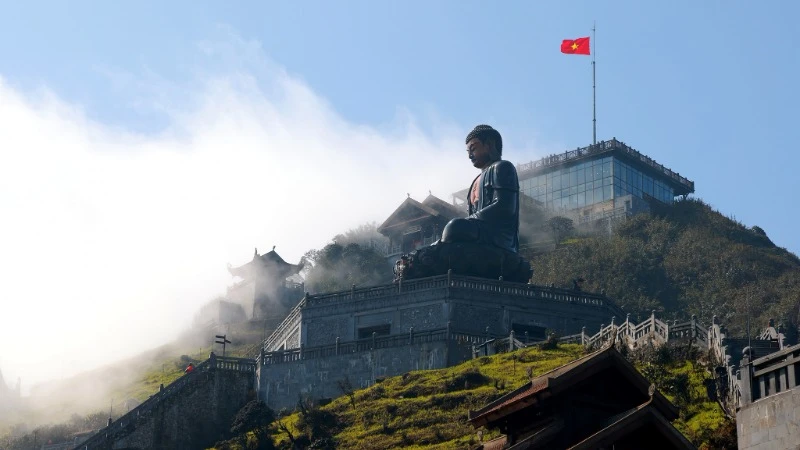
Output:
x,y
578,46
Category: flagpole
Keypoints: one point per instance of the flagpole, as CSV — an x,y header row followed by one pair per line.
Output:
x,y
594,92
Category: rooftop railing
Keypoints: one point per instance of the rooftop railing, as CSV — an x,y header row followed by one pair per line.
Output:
x,y
602,147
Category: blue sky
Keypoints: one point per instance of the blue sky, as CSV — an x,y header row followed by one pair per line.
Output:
x,y
703,87
183,118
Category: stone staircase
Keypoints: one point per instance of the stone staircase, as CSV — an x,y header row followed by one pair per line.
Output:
x,y
144,426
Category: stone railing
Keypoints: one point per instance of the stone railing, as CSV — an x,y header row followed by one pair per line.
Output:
x,y
769,374
650,330
286,327
462,282
129,421
455,283
373,343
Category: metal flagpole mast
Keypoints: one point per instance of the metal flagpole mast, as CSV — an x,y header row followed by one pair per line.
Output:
x,y
594,91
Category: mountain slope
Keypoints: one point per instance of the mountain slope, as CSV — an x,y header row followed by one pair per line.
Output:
x,y
681,260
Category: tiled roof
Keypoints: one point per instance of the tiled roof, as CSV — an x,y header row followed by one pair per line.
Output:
x,y
560,379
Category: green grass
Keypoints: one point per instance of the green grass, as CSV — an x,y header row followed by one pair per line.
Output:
x,y
428,409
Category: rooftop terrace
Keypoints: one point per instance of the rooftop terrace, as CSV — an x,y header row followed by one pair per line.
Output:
x,y
679,183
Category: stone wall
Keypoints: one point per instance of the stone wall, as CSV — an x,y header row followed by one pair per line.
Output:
x,y
772,423
281,385
196,416
440,308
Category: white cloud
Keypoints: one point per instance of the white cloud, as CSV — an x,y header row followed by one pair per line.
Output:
x,y
110,239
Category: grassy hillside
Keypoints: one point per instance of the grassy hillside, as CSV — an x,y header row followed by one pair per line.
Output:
x,y
428,409
681,260
56,410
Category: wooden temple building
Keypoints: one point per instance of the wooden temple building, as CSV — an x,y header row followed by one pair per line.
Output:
x,y
268,286
599,401
416,224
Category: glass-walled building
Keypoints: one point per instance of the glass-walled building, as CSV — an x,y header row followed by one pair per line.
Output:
x,y
600,179
606,180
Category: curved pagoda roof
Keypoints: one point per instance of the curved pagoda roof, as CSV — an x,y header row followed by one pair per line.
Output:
x,y
411,212
270,263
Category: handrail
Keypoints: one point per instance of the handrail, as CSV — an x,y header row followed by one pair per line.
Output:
x,y
284,325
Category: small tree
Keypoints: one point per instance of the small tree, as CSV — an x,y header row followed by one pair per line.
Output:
x,y
256,417
561,227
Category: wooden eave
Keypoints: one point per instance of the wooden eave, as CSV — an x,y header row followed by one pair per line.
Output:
x,y
560,380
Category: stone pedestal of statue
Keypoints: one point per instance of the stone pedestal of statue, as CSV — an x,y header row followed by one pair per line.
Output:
x,y
464,258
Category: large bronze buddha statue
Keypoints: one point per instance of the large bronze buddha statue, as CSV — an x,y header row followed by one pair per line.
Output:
x,y
493,196
485,243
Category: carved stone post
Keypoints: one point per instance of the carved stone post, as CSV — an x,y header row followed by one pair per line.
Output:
x,y
583,336
511,341
628,334
652,323
337,345
746,381
374,336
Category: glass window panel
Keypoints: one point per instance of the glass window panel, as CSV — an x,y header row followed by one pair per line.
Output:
x,y
581,176
598,172
581,187
618,191
607,193
573,201
573,178
589,197
607,181
607,169
598,195
589,185
581,199
549,197
564,180
556,183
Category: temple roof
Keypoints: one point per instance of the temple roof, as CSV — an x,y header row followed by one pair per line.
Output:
x,y
269,262
561,379
411,212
